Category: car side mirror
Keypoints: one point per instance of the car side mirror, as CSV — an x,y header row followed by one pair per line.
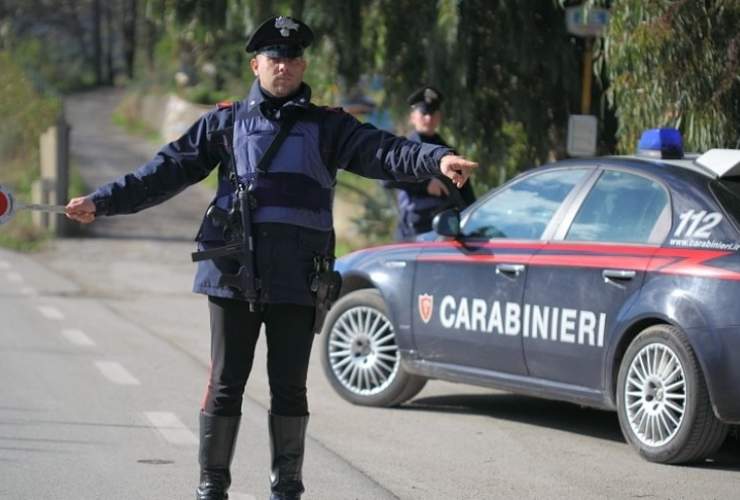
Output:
x,y
447,223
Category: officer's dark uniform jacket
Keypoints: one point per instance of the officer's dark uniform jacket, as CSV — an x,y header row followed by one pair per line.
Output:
x,y
416,206
293,217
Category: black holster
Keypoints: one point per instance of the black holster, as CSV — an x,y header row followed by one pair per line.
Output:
x,y
328,285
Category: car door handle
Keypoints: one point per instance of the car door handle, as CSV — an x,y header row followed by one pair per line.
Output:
x,y
510,269
617,275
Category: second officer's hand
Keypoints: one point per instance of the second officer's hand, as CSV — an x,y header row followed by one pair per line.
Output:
x,y
80,209
457,168
437,188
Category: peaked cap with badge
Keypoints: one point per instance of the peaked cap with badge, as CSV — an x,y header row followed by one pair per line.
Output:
x,y
426,99
280,36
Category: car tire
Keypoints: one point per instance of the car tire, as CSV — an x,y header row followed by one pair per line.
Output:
x,y
359,354
662,400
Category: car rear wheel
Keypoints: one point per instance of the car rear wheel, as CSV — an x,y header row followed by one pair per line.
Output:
x,y
662,399
359,353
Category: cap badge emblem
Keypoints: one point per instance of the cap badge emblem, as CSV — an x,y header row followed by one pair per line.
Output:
x,y
430,95
285,24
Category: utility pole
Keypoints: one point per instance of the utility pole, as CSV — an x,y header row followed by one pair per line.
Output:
x,y
587,23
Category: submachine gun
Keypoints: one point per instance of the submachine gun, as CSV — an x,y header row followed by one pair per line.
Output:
x,y
237,222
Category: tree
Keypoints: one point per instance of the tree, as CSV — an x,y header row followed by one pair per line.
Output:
x,y
108,15
97,42
58,41
128,30
676,64
509,70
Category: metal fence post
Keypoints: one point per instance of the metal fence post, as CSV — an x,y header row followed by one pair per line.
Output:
x,y
53,187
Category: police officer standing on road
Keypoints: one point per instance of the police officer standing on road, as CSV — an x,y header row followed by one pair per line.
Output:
x,y
419,202
275,202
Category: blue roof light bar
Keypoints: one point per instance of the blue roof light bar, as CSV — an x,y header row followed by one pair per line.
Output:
x,y
664,143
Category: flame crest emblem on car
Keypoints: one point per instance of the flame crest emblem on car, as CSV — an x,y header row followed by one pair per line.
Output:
x,y
426,306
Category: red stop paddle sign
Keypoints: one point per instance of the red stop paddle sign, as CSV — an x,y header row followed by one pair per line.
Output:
x,y
6,205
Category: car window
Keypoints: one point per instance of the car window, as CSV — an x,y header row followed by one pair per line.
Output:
x,y
523,209
622,207
727,192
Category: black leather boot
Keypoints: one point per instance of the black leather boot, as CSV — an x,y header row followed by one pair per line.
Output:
x,y
287,438
217,443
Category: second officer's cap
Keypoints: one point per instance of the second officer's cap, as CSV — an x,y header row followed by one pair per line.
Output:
x,y
426,99
280,37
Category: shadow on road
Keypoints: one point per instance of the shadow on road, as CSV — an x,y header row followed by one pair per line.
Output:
x,y
558,415
727,458
523,409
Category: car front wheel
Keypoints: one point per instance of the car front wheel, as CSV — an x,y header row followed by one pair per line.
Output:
x,y
662,399
359,353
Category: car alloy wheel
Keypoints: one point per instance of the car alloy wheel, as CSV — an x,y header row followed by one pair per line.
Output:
x,y
655,394
360,354
663,403
362,350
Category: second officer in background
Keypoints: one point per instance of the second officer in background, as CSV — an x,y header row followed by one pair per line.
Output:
x,y
419,202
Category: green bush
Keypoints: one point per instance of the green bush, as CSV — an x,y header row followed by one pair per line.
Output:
x,y
24,115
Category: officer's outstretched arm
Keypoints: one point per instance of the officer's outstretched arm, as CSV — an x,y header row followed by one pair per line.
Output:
x,y
365,150
176,166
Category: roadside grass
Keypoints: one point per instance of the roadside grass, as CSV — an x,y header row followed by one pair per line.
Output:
x,y
343,248
22,236
211,182
135,127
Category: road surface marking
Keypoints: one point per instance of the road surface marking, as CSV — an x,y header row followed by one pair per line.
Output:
x,y
51,312
116,373
27,290
77,337
14,278
4,265
241,496
170,427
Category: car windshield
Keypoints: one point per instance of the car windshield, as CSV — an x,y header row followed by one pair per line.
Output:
x,y
727,192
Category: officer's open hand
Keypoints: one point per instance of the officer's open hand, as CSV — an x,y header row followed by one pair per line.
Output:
x,y
457,168
81,210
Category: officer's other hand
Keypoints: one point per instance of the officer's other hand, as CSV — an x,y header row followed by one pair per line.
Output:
x,y
457,168
436,187
80,209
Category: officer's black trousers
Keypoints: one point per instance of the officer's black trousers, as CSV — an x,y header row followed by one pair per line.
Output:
x,y
234,333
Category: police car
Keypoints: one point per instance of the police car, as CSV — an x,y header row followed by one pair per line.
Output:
x,y
609,282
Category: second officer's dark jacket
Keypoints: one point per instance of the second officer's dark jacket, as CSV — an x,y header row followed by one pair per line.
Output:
x,y
417,207
293,218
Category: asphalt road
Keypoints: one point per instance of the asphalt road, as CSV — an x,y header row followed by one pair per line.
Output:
x,y
104,359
